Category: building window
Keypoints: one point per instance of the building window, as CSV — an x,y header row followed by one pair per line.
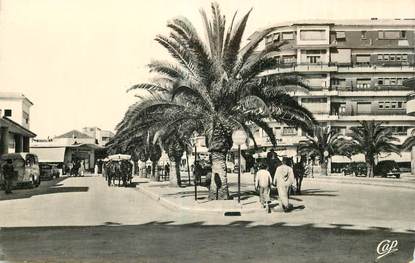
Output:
x,y
340,35
287,35
272,38
363,83
313,59
313,34
289,131
380,57
8,113
26,117
363,35
398,130
380,81
381,35
389,34
364,108
289,59
314,100
403,34
391,105
362,59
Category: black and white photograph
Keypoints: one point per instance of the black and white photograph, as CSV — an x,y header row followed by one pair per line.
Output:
x,y
207,131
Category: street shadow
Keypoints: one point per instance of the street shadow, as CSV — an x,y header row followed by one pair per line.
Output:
x,y
317,192
189,193
244,195
49,187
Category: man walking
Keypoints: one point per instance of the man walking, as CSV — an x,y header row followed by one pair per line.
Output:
x,y
272,162
263,184
8,173
284,178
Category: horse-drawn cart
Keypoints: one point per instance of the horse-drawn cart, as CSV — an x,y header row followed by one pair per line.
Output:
x,y
119,166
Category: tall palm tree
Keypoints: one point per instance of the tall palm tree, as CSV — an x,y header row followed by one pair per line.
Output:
x,y
408,145
371,138
218,87
323,143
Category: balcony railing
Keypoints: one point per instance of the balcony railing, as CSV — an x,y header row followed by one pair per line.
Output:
x,y
344,66
369,88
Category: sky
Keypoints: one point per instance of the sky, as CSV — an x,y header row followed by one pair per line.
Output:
x,y
75,59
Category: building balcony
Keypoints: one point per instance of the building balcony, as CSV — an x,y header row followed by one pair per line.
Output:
x,y
361,68
368,116
371,88
290,67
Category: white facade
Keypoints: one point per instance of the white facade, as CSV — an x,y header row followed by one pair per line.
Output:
x,y
16,107
102,137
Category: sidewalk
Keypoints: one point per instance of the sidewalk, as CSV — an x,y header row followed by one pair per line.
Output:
x,y
326,201
184,198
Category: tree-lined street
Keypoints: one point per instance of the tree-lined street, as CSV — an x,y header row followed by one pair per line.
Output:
x,y
82,219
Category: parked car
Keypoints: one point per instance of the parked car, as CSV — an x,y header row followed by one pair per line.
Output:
x,y
356,169
387,168
48,171
26,167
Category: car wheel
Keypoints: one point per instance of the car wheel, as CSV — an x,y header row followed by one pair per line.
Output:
x,y
398,176
32,182
38,182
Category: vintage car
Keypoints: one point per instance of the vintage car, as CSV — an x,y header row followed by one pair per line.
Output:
x,y
387,168
26,168
48,171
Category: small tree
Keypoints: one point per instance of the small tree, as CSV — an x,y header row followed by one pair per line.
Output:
x,y
370,138
323,143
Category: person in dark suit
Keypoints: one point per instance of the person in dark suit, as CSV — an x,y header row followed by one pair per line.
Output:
x,y
8,173
272,162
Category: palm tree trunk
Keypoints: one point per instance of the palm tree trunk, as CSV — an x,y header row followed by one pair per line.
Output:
x,y
154,174
220,191
370,168
328,166
323,168
174,177
141,169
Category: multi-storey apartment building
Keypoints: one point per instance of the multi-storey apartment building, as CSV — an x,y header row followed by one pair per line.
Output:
x,y
355,69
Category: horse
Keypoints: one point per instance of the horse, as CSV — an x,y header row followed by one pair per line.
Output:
x,y
125,172
299,170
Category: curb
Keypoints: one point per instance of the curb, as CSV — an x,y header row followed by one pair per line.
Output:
x,y
174,206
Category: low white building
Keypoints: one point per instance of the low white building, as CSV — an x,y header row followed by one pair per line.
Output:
x,y
14,122
66,148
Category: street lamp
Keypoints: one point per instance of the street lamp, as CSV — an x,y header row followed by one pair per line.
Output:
x,y
239,138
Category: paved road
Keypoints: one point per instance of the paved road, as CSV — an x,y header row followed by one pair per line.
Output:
x,y
193,243
81,219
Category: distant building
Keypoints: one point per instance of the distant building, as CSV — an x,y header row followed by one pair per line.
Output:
x,y
14,123
101,137
66,148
